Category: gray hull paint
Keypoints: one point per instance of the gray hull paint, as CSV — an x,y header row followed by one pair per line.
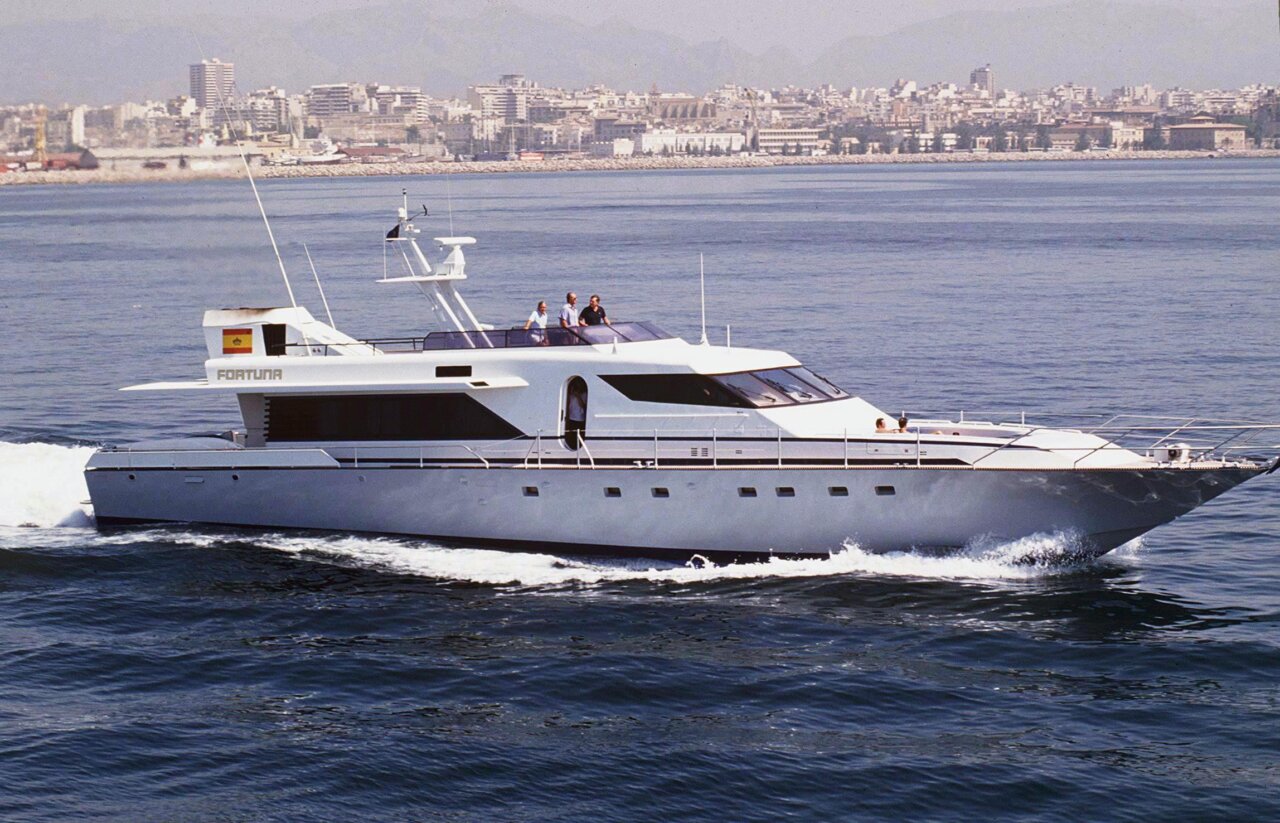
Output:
x,y
705,511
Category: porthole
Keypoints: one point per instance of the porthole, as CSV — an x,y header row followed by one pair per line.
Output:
x,y
786,491
133,477
612,491
838,491
746,491
660,491
530,491
885,491
235,477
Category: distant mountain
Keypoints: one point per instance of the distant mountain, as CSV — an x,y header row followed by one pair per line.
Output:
x,y
1098,43
1090,42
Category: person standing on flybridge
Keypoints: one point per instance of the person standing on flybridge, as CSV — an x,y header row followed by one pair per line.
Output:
x,y
538,318
538,323
569,311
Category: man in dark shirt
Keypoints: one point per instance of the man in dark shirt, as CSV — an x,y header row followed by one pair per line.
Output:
x,y
594,314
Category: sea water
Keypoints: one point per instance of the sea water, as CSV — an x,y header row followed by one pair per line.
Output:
x,y
214,674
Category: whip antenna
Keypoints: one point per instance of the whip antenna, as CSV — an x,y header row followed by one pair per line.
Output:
x,y
319,287
222,103
702,289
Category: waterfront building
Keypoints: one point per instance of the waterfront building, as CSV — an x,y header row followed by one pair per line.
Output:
x,y
617,147
212,80
1204,133
791,140
615,128
670,141
1071,136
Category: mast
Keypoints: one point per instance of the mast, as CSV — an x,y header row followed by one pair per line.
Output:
x,y
439,286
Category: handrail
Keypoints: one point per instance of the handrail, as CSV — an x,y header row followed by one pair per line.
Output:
x,y
772,447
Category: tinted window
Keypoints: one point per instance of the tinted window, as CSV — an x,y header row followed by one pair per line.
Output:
x,y
689,389
755,391
384,417
790,385
823,384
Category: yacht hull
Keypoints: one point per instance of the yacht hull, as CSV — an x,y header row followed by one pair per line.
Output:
x,y
673,512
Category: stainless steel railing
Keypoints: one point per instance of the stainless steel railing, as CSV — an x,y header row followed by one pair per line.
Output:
x,y
970,444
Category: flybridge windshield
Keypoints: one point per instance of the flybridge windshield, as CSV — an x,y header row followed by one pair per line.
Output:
x,y
518,338
751,390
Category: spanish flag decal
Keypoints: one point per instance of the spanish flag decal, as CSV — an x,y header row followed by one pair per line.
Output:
x,y
237,341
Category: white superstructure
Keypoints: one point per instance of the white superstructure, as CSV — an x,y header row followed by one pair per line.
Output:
x,y
619,438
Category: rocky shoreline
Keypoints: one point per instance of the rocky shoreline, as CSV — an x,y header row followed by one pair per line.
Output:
x,y
594,164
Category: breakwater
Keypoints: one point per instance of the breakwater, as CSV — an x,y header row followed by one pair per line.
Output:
x,y
231,171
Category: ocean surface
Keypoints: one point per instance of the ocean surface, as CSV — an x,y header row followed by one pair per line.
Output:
x,y
217,675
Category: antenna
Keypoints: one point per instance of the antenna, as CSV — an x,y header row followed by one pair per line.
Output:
x,y
702,288
319,287
448,190
244,159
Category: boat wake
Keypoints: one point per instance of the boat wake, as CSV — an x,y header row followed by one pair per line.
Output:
x,y
42,485
1030,558
42,488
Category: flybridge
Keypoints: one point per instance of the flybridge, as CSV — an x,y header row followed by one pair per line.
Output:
x,y
295,333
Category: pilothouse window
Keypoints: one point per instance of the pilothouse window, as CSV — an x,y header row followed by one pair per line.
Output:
x,y
823,384
757,392
790,385
686,389
760,390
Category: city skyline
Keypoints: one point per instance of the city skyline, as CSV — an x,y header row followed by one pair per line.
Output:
x,y
1093,44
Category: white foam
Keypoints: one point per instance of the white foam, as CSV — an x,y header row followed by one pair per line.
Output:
x,y
1029,558
42,484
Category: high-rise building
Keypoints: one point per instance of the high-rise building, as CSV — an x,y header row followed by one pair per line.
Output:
x,y
269,110
983,79
508,100
336,100
212,81
401,100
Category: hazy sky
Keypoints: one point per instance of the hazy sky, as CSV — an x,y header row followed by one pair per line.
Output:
x,y
800,25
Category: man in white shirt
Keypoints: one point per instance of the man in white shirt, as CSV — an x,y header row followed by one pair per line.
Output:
x,y
569,311
538,318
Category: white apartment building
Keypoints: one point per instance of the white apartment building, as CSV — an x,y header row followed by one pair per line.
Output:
x,y
670,141
212,80
794,140
403,101
329,100
269,110
509,99
618,147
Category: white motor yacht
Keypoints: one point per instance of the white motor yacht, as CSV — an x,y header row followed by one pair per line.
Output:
x,y
624,438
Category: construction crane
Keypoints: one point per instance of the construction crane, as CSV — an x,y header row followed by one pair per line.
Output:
x,y
42,154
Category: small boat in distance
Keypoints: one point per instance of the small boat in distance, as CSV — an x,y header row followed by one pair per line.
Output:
x,y
626,439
